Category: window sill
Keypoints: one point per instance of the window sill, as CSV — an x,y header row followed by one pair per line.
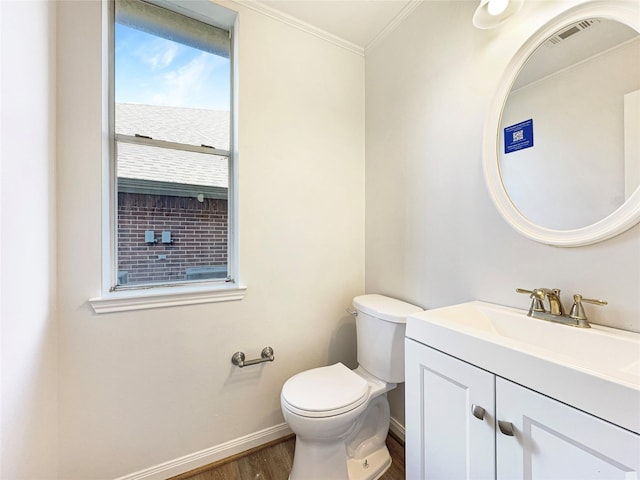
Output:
x,y
164,297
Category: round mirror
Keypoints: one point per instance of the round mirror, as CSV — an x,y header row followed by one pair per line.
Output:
x,y
562,142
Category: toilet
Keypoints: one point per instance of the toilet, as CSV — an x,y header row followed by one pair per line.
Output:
x,y
341,416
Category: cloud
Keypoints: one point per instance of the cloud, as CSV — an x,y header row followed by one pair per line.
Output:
x,y
156,71
189,84
158,54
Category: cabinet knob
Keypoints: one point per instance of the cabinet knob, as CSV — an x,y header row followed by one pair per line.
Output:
x,y
477,411
506,428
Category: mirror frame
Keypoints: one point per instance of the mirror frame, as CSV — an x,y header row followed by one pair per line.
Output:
x,y
625,216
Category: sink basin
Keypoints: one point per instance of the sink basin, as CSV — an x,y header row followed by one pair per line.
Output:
x,y
594,369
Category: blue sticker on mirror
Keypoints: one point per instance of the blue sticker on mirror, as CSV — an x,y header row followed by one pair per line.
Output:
x,y
518,136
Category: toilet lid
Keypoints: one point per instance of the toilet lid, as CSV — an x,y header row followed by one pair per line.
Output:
x,y
325,391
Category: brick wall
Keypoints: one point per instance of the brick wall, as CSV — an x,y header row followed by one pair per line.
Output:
x,y
198,230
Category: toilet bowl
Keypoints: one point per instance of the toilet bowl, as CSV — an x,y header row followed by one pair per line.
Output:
x,y
341,416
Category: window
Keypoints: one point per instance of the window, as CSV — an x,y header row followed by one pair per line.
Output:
x,y
171,218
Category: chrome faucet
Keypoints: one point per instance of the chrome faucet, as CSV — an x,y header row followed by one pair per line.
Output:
x,y
556,313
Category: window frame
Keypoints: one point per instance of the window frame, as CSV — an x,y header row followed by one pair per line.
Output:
x,y
143,296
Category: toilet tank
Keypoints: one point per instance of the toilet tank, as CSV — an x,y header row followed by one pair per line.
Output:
x,y
380,327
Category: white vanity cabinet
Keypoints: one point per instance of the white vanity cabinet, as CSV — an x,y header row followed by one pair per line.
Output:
x,y
453,410
443,439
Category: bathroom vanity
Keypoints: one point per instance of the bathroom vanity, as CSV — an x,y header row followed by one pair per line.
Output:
x,y
493,393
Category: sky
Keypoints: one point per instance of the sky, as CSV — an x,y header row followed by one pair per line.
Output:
x,y
154,71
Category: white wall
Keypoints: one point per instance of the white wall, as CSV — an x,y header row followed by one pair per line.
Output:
x,y
27,253
433,236
141,388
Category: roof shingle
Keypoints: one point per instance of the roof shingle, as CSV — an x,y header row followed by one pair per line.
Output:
x,y
175,124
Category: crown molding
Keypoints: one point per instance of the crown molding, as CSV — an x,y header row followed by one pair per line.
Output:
x,y
393,24
300,25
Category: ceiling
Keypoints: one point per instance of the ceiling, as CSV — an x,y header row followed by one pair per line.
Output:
x,y
564,51
356,21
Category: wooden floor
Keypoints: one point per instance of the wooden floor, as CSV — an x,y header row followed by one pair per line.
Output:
x,y
274,463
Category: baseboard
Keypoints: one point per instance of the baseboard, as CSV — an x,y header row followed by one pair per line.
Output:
x,y
210,455
227,449
397,428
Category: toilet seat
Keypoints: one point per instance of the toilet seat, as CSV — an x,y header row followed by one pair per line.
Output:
x,y
325,391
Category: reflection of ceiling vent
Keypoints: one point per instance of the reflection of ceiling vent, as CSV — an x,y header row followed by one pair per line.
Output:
x,y
570,31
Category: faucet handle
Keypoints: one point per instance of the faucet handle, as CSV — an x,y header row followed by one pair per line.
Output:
x,y
522,290
591,300
577,311
535,293
537,296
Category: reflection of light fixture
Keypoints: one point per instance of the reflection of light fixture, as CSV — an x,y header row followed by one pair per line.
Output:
x,y
492,13
496,7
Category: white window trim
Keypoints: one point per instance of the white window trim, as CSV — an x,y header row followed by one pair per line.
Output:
x,y
122,301
147,296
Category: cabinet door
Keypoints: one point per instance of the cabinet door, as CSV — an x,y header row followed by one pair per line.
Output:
x,y
554,441
444,440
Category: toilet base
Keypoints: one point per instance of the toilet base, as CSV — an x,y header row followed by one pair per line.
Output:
x,y
370,468
360,453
